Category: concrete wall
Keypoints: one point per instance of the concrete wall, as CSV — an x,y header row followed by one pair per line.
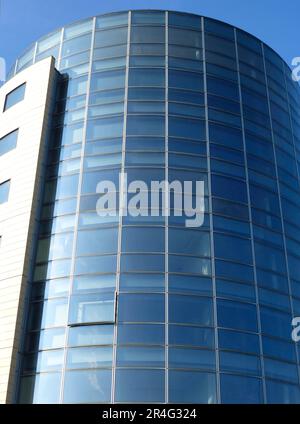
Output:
x,y
23,166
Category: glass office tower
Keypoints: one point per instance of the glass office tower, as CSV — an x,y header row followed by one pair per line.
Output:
x,y
143,309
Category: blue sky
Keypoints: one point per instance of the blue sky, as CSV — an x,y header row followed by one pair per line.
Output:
x,y
276,22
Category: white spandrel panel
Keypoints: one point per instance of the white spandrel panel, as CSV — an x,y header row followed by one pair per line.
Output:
x,y
23,167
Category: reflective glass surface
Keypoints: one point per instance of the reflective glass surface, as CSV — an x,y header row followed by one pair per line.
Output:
x,y
144,309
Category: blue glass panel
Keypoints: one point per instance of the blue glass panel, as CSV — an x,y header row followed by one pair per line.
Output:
x,y
191,358
187,128
112,20
186,80
91,335
241,316
279,392
192,387
92,308
147,334
111,37
185,20
145,125
42,388
146,385
236,362
87,386
183,335
243,342
141,308
190,310
237,389
76,45
148,17
233,248
147,357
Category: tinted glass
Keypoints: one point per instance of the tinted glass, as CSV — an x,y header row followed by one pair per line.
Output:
x,y
15,96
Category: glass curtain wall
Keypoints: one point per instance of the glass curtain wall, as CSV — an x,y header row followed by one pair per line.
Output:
x,y
143,309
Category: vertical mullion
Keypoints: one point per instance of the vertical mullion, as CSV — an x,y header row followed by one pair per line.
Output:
x,y
167,206
250,219
60,48
35,50
213,271
73,260
122,187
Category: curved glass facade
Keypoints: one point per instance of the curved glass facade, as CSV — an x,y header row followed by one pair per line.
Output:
x,y
144,309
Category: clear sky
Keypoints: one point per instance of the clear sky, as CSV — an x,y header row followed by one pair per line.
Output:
x,y
276,22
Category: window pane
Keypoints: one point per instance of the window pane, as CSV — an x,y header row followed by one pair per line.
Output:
x,y
237,315
146,77
111,51
48,42
141,334
222,87
15,96
148,17
111,20
54,313
97,241
87,386
226,136
141,357
146,94
108,80
189,242
186,80
235,389
146,34
185,37
234,340
76,45
143,239
89,357
141,308
233,248
143,263
192,387
92,308
8,142
229,188
276,323
105,128
145,125
145,386
91,335
189,284
280,393
42,388
187,128
235,362
189,265
111,37
48,339
78,29
191,358
190,309
183,335
279,349
185,20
